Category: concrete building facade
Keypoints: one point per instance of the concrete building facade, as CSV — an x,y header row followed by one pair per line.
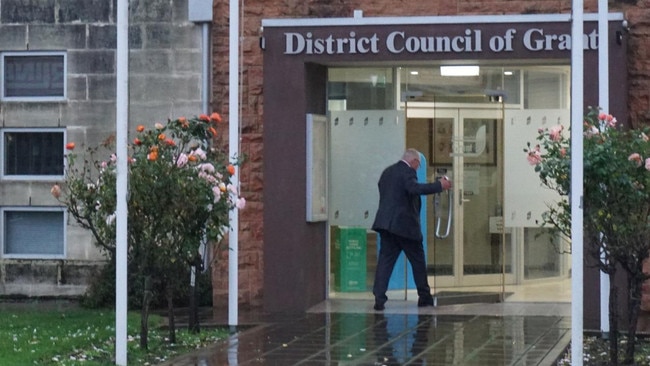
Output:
x,y
59,65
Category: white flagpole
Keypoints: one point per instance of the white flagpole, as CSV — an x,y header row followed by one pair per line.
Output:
x,y
121,127
577,96
233,109
603,102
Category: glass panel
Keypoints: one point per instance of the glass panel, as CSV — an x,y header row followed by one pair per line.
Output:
x,y
546,88
33,153
360,89
420,134
35,232
541,254
442,253
376,140
480,196
427,84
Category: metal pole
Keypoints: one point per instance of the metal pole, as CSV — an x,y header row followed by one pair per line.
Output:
x,y
205,67
577,96
603,102
121,128
233,108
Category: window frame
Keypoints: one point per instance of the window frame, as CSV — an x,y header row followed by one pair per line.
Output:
x,y
31,177
3,230
60,98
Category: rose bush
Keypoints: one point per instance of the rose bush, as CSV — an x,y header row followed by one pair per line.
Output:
x,y
616,203
179,196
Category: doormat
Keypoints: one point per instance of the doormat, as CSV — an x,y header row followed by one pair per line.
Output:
x,y
470,297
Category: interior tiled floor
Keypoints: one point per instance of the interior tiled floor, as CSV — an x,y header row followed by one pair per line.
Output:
x,y
527,329
533,291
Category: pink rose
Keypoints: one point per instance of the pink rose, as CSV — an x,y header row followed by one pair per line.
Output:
x,y
534,157
556,132
636,159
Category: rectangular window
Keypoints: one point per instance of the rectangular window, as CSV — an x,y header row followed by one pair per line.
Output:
x,y
31,232
33,76
33,154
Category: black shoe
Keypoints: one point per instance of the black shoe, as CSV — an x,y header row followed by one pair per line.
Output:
x,y
379,307
422,303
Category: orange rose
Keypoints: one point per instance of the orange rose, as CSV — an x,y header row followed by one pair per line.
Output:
x,y
161,136
212,131
192,158
140,128
215,117
152,155
204,118
70,146
170,142
231,169
137,141
153,148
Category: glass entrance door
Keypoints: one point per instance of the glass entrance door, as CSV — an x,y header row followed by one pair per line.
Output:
x,y
464,143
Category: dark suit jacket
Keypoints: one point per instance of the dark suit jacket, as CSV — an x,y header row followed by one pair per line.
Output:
x,y
399,201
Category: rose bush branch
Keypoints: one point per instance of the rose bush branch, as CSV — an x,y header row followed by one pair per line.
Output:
x,y
616,203
179,194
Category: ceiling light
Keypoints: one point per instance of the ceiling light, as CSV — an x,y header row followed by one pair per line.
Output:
x,y
459,70
507,73
414,72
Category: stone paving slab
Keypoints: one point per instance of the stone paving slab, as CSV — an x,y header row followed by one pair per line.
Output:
x,y
417,337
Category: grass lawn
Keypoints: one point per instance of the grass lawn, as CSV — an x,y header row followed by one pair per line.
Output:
x,y
33,335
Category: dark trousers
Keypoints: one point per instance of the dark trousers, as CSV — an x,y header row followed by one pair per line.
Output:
x,y
391,247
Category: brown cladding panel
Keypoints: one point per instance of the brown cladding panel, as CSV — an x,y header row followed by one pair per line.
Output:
x,y
294,250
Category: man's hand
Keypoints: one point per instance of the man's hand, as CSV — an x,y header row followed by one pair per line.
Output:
x,y
445,183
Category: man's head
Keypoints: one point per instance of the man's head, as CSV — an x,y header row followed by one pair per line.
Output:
x,y
412,158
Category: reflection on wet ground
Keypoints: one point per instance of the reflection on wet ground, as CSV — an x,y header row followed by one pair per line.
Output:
x,y
413,337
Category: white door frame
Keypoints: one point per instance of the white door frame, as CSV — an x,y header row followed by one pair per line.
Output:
x,y
458,112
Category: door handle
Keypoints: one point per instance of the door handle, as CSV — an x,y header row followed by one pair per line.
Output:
x,y
450,205
460,198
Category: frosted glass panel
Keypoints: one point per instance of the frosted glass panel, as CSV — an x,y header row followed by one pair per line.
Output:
x,y
525,197
363,143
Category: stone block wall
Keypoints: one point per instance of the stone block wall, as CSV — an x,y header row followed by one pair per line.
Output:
x,y
164,82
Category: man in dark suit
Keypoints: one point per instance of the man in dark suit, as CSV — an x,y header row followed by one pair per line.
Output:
x,y
398,224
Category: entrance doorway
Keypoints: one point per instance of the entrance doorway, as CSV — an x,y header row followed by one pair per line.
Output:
x,y
466,244
469,129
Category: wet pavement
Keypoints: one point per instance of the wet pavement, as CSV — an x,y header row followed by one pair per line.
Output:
x,y
349,332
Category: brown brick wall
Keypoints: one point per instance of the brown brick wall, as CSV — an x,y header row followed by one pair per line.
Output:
x,y
251,261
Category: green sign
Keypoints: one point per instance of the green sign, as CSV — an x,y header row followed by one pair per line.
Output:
x,y
350,259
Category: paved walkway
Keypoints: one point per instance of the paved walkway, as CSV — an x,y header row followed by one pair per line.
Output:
x,y
349,332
